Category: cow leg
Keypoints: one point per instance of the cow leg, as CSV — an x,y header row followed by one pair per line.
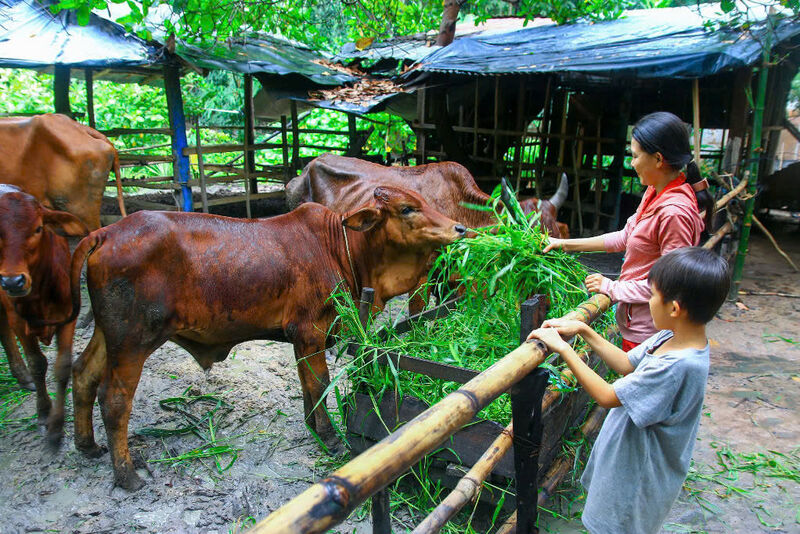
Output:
x,y
86,375
314,379
15,363
63,368
116,398
38,365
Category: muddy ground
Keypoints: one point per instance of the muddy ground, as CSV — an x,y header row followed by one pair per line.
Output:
x,y
751,405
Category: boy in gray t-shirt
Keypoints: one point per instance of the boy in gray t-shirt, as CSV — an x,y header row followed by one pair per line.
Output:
x,y
642,454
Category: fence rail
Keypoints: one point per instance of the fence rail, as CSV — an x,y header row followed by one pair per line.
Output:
x,y
329,502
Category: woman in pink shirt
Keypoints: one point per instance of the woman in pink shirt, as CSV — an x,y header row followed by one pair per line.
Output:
x,y
667,218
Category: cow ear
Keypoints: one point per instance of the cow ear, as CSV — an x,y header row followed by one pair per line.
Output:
x,y
63,223
363,220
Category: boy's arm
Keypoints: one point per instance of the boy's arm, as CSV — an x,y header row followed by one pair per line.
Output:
x,y
600,390
615,358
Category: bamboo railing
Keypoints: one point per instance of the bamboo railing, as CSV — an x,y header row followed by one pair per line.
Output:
x,y
330,501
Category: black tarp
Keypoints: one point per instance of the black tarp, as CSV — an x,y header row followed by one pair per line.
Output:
x,y
647,43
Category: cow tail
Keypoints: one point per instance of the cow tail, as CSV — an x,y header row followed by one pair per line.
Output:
x,y
118,179
82,251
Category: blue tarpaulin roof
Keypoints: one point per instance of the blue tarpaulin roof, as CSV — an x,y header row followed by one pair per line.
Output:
x,y
647,43
32,37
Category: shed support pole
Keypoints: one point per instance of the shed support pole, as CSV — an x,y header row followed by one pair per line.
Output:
x,y
755,152
295,140
177,123
89,76
61,90
250,132
614,194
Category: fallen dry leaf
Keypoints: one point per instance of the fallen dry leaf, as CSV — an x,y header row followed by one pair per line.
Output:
x,y
741,306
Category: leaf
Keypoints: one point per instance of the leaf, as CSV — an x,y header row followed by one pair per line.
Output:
x,y
727,5
83,15
364,42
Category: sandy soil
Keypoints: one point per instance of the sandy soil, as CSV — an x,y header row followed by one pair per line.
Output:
x,y
751,404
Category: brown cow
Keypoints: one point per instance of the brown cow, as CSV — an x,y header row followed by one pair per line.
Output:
x,y
342,183
62,163
35,296
208,283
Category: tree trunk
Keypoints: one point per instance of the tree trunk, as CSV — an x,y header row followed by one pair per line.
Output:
x,y
447,29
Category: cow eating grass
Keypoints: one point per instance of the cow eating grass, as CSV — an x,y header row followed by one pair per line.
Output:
x,y
35,297
208,283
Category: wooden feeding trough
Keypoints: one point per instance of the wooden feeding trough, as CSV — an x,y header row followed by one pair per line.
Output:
x,y
544,417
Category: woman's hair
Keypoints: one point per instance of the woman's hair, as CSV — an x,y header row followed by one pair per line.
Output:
x,y
666,133
699,279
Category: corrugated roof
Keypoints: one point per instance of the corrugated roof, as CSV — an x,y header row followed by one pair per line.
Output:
x,y
32,37
652,43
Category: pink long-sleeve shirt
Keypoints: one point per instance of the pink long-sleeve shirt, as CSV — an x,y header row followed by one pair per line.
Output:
x,y
671,220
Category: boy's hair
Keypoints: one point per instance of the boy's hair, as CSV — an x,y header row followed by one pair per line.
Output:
x,y
698,279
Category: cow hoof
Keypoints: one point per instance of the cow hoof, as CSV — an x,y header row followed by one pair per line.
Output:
x,y
93,451
129,480
54,440
333,444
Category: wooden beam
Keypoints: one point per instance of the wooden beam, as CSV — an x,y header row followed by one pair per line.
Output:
x,y
61,90
177,123
89,76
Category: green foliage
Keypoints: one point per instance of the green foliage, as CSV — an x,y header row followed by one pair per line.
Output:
x,y
324,24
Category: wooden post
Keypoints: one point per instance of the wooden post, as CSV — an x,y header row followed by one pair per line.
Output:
x,y
355,147
475,117
177,123
598,180
89,76
285,149
381,518
614,194
61,90
696,119
201,168
544,141
526,412
249,132
295,139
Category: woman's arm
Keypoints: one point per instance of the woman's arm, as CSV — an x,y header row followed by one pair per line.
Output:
x,y
600,390
588,244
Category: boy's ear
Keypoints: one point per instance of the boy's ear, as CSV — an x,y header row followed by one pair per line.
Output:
x,y
677,310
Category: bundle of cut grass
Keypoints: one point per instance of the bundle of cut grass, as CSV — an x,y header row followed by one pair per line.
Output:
x,y
496,271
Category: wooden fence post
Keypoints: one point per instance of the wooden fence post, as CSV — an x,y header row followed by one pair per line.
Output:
x,y
177,122
61,90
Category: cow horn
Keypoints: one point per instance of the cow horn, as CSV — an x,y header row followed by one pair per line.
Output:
x,y
558,199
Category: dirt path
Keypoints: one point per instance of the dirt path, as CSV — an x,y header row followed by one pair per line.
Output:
x,y
751,404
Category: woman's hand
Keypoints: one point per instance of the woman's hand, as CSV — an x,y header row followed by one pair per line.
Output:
x,y
594,282
551,338
554,243
567,328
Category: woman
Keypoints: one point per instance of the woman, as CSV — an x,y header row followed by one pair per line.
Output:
x,y
667,218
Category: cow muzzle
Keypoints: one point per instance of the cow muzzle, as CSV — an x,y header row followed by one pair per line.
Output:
x,y
15,285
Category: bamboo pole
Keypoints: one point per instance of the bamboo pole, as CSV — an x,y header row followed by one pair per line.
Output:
x,y
718,235
722,202
755,152
696,121
774,243
468,487
331,500
201,172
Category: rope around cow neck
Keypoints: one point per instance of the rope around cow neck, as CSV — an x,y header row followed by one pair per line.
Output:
x,y
347,248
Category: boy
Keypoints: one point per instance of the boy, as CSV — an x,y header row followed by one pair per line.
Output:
x,y
641,456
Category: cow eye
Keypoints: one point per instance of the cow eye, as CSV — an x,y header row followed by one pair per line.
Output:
x,y
406,210
39,229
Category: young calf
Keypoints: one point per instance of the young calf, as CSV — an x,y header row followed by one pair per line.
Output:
x,y
35,296
208,283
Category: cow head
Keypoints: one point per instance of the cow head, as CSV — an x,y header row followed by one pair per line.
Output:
x,y
24,228
408,220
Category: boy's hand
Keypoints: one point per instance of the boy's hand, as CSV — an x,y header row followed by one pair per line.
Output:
x,y
594,282
567,328
551,338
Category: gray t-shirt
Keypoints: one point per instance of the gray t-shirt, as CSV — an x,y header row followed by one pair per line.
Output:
x,y
641,456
